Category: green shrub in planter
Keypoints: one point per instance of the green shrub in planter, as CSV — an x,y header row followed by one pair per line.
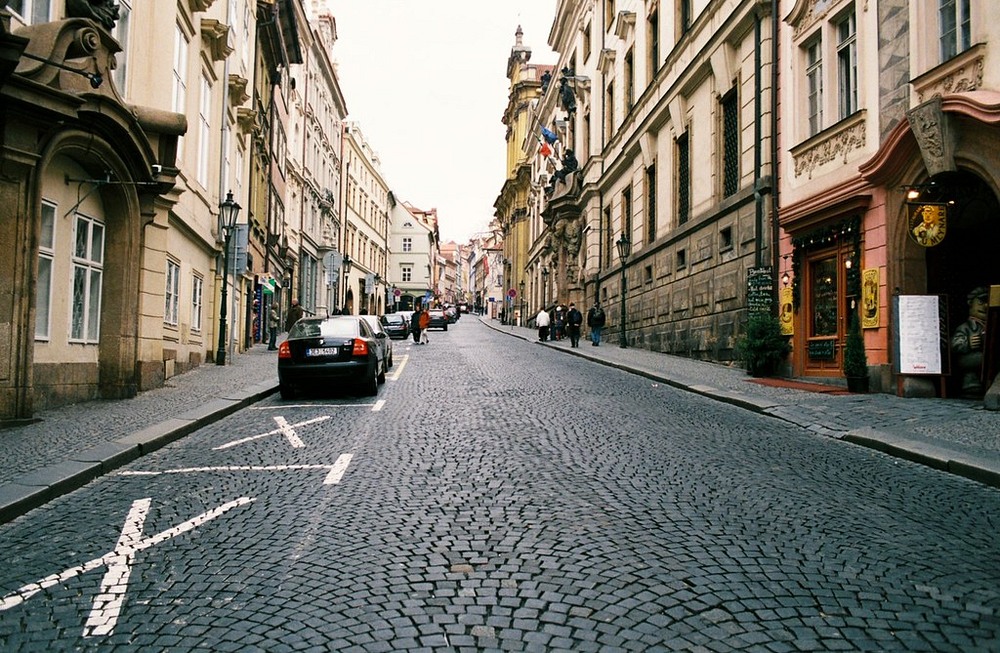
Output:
x,y
855,358
762,347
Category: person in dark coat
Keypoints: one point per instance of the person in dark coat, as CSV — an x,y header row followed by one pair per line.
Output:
x,y
415,325
574,319
595,322
294,315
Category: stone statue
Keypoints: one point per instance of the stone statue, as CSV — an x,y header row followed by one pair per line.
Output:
x,y
569,164
968,342
566,97
104,12
546,80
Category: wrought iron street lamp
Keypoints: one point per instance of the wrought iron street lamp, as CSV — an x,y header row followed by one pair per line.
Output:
x,y
624,250
347,268
523,306
228,211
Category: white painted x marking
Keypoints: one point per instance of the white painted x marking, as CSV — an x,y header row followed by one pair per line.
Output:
x,y
284,428
107,604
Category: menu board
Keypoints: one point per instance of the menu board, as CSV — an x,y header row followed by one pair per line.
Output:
x,y
921,334
760,289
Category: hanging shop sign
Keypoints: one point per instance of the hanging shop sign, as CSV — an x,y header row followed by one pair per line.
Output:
x,y
787,313
928,223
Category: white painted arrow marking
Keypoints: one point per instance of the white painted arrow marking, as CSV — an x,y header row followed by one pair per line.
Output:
x,y
22,594
284,428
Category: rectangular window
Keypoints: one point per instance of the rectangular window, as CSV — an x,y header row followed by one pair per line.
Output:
x,y
33,12
43,287
683,179
651,203
814,86
121,34
725,239
88,269
179,102
407,244
956,27
847,65
682,259
606,230
609,111
171,294
627,212
406,273
609,14
587,36
684,15
629,80
653,43
204,130
730,144
197,301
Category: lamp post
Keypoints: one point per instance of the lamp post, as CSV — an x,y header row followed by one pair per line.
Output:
x,y
624,249
523,307
545,287
347,269
228,211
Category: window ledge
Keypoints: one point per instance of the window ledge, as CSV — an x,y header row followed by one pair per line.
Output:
x,y
836,141
963,72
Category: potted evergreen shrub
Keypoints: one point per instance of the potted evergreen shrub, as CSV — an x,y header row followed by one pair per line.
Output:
x,y
762,347
855,359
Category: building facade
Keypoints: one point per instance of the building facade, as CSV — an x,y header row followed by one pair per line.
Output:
x,y
890,120
413,250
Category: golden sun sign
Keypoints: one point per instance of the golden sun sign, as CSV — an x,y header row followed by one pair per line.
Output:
x,y
928,223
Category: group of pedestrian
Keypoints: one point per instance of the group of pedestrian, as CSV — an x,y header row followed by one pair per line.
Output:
x,y
569,322
419,322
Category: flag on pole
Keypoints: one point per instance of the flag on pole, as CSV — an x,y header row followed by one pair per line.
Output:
x,y
550,136
268,285
545,150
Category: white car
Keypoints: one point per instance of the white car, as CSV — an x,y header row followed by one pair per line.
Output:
x,y
377,328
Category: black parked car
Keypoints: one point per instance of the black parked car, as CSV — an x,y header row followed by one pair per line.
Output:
x,y
340,351
396,325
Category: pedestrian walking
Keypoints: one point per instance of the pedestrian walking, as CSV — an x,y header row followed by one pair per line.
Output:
x,y
595,322
542,322
559,323
425,323
294,315
574,319
273,324
415,325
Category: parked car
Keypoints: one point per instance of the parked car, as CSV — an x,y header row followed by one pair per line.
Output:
x,y
451,313
376,324
339,351
439,320
396,325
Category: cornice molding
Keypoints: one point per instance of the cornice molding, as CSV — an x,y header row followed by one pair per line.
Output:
x,y
839,141
216,36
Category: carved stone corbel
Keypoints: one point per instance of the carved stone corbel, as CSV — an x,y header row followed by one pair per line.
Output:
x,y
931,129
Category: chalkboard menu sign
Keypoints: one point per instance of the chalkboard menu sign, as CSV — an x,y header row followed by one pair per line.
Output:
x,y
921,334
760,289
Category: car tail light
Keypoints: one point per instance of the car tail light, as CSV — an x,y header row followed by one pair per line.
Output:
x,y
360,347
284,351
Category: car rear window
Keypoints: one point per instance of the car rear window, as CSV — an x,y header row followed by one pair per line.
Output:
x,y
335,328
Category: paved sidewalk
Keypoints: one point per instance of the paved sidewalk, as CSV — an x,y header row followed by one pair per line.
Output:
x,y
954,435
71,445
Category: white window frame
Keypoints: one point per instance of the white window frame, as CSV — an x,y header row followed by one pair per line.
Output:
x,y
171,293
406,273
197,301
46,265
407,243
123,28
33,12
847,64
813,54
179,97
204,129
86,281
954,27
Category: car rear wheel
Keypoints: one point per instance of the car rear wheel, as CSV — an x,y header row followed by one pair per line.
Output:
x,y
287,391
369,387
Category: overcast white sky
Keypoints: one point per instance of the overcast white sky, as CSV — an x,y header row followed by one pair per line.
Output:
x,y
427,81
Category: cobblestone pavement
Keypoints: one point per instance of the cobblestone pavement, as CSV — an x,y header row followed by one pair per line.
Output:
x,y
498,495
69,445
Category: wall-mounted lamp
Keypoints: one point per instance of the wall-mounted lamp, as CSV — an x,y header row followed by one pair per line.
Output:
x,y
785,279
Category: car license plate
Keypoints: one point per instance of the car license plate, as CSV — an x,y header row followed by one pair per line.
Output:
x,y
321,351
